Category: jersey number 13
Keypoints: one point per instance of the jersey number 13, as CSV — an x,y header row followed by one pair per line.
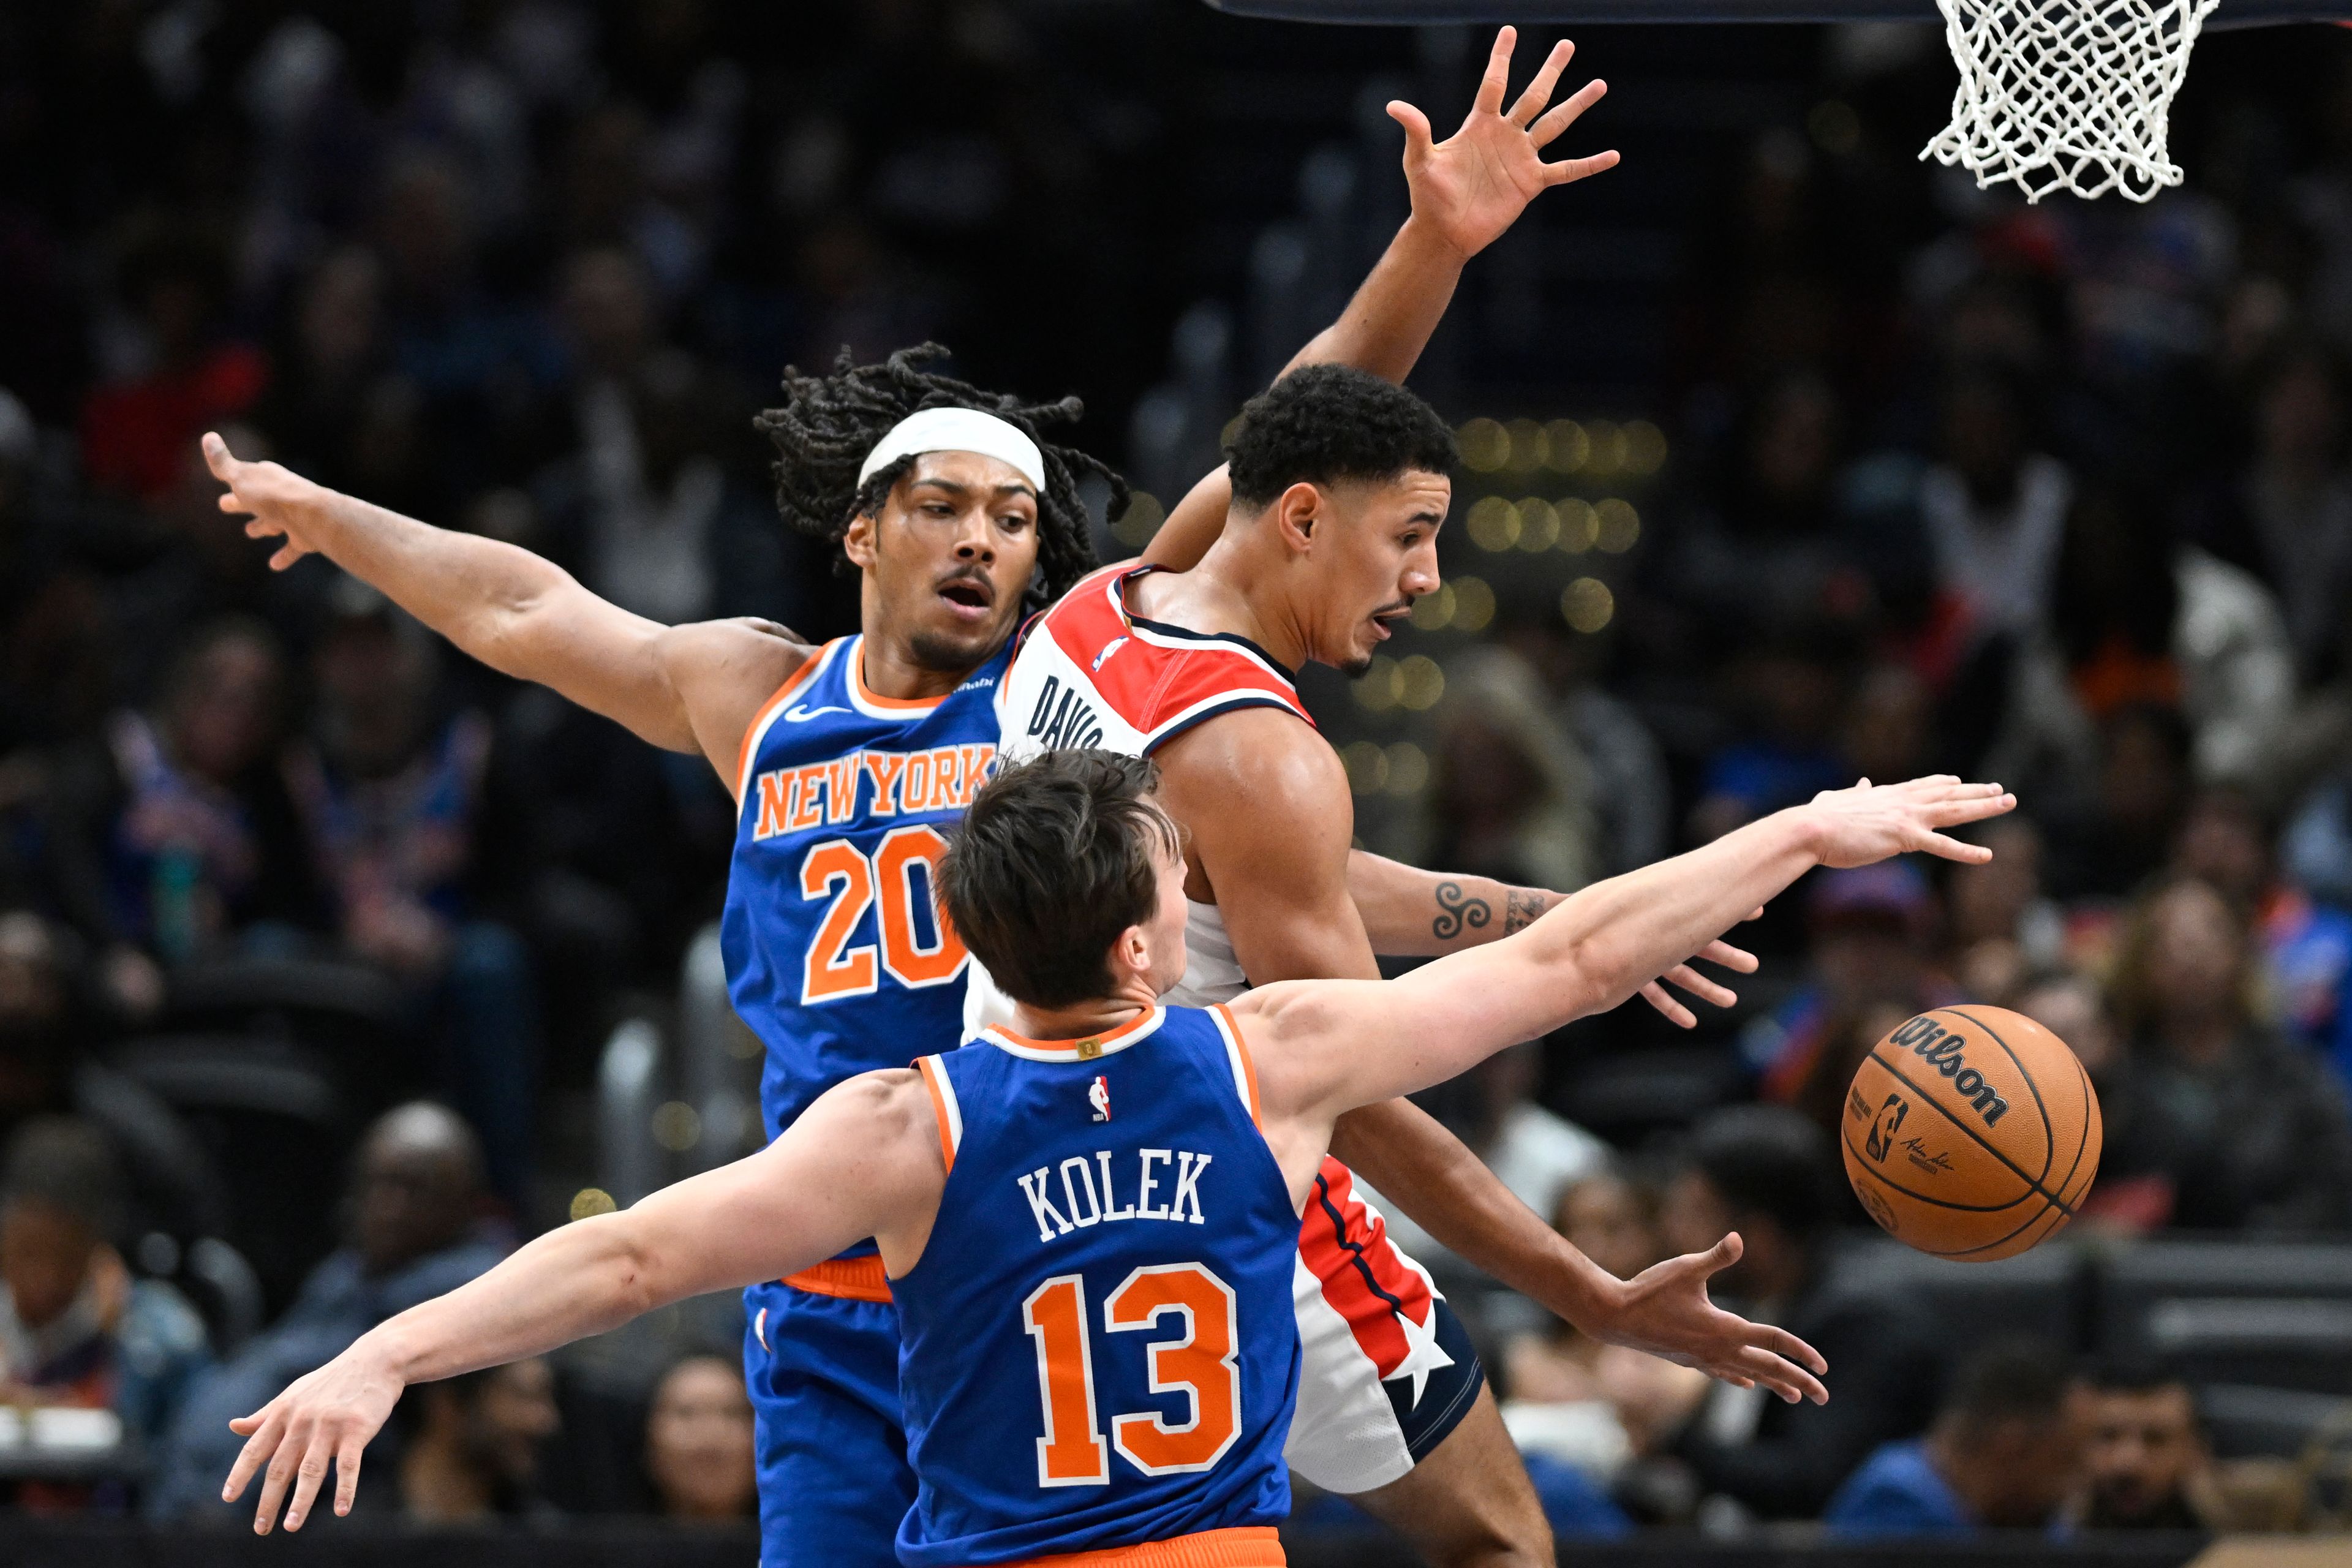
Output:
x,y
1203,1365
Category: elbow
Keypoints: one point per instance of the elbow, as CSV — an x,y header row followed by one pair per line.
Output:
x,y
638,1272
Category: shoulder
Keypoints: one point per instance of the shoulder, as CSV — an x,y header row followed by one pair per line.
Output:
x,y
756,652
1268,751
892,1109
1895,1488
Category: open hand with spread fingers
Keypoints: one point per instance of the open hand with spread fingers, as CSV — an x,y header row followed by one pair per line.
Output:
x,y
1474,184
1666,1310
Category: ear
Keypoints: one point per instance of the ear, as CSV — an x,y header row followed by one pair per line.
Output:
x,y
1296,513
1131,955
857,542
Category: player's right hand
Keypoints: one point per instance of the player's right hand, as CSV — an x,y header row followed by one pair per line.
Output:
x,y
326,1417
1871,822
275,501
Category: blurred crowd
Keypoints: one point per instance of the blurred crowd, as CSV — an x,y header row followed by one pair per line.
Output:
x,y
293,901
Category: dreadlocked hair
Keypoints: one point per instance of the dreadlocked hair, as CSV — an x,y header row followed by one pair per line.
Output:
x,y
828,423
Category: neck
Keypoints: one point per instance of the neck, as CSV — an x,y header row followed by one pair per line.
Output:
x,y
1098,1015
1245,576
889,669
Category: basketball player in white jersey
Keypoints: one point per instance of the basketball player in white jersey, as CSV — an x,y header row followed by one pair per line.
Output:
x,y
1339,485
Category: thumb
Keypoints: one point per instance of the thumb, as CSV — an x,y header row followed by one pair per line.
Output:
x,y
1416,127
217,458
243,1426
1724,1252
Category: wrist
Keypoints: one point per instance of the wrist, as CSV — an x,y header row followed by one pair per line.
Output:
x,y
1422,238
1584,1294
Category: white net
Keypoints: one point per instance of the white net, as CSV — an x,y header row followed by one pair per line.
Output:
x,y
2071,95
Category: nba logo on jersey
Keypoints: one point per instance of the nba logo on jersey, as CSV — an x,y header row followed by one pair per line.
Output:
x,y
1098,1096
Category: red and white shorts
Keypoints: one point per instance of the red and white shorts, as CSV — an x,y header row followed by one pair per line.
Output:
x,y
1388,1370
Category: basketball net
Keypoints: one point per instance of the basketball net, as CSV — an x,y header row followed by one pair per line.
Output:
x,y
2071,95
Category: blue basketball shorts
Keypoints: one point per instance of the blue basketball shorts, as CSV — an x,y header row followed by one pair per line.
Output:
x,y
830,1445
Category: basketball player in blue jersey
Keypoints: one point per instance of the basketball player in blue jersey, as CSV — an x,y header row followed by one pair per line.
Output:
x,y
1089,1219
847,761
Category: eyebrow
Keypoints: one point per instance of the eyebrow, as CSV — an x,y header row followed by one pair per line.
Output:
x,y
952,487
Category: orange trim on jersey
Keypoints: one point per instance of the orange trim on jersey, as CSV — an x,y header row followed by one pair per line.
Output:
x,y
1070,1048
850,1279
793,683
1245,1546
1249,1063
903,704
939,1109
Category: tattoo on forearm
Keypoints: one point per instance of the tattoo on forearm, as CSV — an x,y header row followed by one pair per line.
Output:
x,y
1456,909
1521,907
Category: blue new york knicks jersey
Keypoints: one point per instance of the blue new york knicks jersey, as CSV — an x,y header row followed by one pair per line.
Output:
x,y
1097,1346
836,953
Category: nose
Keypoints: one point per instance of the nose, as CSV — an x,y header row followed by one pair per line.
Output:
x,y
1421,577
975,538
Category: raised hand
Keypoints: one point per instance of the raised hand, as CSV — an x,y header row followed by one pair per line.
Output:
x,y
327,1415
1664,1311
1474,184
1871,822
273,501
1683,976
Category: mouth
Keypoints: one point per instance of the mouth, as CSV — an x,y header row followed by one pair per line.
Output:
x,y
1384,620
969,598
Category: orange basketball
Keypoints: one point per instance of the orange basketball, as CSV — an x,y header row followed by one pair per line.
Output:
x,y
1971,1133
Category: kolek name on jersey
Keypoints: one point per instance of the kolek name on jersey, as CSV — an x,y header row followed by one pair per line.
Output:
x,y
1084,1206
942,778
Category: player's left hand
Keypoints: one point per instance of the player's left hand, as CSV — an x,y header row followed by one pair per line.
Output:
x,y
1474,184
1689,979
327,1415
1664,1310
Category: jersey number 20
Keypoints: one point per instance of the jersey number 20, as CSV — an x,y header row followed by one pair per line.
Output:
x,y
1203,1365
839,869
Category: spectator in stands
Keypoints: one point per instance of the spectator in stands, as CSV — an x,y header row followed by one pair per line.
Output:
x,y
2135,627
1788,691
37,1016
199,840
75,1328
2149,1465
2001,926
1992,507
699,1441
2306,946
2297,498
1626,792
473,1448
1765,1172
2152,1155
1508,798
189,375
413,1233
389,792
2005,1451
2272,1116
1869,966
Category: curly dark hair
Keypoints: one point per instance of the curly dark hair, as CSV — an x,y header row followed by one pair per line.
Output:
x,y
1325,423
828,423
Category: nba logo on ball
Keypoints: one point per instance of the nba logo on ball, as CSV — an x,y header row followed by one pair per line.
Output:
x,y
1883,1130
1997,1124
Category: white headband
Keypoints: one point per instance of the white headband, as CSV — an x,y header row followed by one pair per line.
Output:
x,y
957,430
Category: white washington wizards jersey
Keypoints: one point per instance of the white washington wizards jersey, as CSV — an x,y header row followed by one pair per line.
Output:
x,y
1093,673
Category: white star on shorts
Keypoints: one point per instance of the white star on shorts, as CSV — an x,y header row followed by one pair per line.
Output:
x,y
1422,1355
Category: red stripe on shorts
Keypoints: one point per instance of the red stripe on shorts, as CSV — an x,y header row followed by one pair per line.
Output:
x,y
1364,1277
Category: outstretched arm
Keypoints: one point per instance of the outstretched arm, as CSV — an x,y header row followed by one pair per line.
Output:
x,y
686,688
1412,913
1466,191
1336,1045
863,1161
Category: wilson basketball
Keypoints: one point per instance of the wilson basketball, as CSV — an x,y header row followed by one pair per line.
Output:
x,y
1972,1133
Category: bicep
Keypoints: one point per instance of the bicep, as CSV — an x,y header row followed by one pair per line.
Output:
x,y
1278,871
861,1162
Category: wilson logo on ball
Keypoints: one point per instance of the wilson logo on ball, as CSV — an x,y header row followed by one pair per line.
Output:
x,y
1945,1052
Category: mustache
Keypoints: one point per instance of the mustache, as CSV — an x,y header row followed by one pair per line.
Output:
x,y
1403,605
972,575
